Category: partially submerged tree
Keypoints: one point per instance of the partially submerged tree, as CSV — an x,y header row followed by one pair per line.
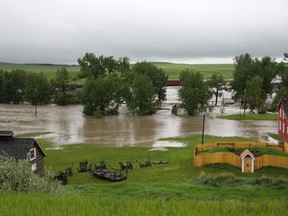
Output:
x,y
141,96
243,71
12,86
37,89
102,96
216,83
157,76
194,92
255,94
60,83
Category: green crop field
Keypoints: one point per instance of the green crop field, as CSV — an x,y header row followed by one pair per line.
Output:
x,y
171,69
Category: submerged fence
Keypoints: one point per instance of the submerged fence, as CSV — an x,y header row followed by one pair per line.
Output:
x,y
235,160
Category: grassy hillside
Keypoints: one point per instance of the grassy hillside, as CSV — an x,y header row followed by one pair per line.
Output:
x,y
171,69
48,69
176,188
206,69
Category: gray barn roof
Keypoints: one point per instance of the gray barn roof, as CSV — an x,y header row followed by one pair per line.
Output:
x,y
16,147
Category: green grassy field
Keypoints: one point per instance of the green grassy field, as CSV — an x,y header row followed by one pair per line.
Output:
x,y
171,69
167,189
206,69
251,116
48,69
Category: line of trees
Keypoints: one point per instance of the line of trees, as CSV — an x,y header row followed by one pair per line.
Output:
x,y
19,86
254,80
109,83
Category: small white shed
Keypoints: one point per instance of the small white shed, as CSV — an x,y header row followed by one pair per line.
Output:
x,y
248,160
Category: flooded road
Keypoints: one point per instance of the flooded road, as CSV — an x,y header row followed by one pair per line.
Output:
x,y
68,125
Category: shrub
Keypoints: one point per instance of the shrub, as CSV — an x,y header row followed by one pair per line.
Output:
x,y
17,176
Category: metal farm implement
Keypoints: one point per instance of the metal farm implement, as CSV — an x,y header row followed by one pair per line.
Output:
x,y
101,171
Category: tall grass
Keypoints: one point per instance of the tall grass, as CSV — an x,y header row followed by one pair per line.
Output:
x,y
43,204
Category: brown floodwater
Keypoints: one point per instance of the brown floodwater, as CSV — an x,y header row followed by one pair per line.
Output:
x,y
68,125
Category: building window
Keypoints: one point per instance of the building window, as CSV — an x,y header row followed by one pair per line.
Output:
x,y
280,112
32,154
34,167
283,128
280,125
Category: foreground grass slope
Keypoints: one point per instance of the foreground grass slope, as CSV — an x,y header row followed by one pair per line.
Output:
x,y
44,204
177,188
171,69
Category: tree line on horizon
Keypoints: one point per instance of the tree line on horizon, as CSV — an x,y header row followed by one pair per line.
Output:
x,y
108,83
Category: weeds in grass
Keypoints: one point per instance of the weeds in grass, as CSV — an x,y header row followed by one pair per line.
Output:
x,y
233,181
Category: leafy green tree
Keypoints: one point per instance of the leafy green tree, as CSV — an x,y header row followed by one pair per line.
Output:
x,y
285,57
61,83
123,65
194,93
17,85
244,67
4,87
142,99
267,68
282,85
12,86
216,83
37,89
157,75
281,93
255,94
111,64
93,67
102,96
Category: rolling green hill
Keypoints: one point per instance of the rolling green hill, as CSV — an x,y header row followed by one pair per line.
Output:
x,y
172,69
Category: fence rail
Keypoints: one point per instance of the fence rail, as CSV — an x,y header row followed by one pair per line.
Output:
x,y
235,160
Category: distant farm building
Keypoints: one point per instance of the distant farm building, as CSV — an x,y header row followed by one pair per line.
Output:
x,y
173,83
23,149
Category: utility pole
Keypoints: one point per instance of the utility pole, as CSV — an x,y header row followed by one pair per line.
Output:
x,y
203,128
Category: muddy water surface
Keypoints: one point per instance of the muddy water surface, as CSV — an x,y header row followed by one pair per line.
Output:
x,y
69,125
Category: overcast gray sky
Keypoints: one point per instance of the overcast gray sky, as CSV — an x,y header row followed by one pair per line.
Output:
x,y
194,31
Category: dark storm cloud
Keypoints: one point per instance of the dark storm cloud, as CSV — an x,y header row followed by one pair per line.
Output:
x,y
60,31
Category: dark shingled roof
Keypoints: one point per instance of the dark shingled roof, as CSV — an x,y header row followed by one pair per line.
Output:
x,y
6,133
17,147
